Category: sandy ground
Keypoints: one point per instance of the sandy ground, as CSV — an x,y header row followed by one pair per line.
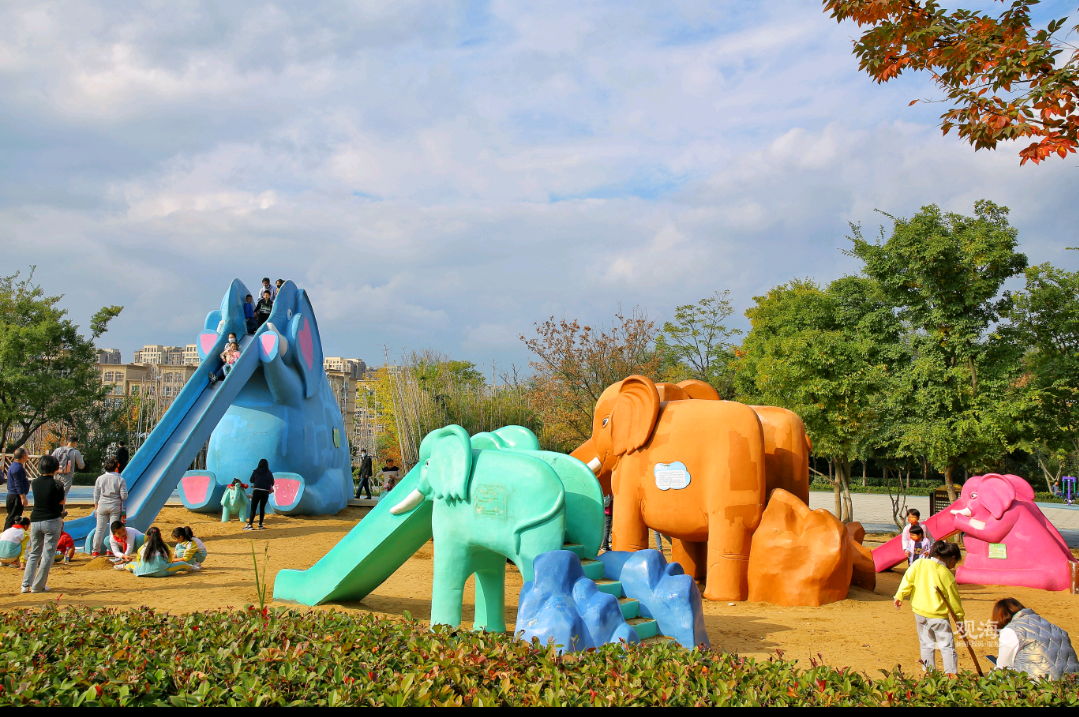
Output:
x,y
864,632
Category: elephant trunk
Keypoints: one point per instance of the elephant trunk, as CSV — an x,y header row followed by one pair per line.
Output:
x,y
411,501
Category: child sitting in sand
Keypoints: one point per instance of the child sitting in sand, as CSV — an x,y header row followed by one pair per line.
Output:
x,y
913,516
13,543
153,559
125,542
919,544
190,549
932,589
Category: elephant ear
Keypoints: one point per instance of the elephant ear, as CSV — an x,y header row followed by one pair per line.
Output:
x,y
996,494
303,338
447,455
518,438
699,390
634,414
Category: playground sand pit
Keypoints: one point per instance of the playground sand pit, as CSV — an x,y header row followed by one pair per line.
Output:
x,y
864,632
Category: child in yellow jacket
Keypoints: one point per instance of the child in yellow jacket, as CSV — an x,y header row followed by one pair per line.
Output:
x,y
921,583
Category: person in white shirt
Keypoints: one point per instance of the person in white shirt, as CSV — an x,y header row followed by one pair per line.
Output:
x,y
1029,643
913,516
125,542
110,492
13,542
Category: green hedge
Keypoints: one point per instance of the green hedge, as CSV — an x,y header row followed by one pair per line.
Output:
x,y
857,487
76,656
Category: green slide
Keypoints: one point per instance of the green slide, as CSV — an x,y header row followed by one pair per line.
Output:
x,y
364,558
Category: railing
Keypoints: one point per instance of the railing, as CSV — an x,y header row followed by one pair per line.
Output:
x,y
32,472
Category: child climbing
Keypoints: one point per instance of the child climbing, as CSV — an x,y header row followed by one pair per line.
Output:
x,y
190,549
919,545
913,516
932,590
13,543
125,542
234,502
153,560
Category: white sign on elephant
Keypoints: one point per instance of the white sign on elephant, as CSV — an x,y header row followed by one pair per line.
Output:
x,y
671,476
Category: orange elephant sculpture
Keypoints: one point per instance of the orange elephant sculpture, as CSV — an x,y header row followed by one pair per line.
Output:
x,y
786,444
691,469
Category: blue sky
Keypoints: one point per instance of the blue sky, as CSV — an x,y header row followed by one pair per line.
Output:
x,y
444,174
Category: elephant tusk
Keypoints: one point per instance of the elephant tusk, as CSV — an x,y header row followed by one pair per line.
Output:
x,y
965,512
411,501
595,465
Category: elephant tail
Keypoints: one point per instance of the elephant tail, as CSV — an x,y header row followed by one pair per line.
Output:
x,y
559,505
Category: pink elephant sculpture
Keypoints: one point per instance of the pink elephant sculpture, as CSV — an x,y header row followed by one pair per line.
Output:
x,y
1008,539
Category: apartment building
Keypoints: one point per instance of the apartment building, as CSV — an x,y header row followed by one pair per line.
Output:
x,y
191,355
153,380
355,368
110,356
156,354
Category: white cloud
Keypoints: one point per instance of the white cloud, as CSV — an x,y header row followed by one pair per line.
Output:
x,y
434,179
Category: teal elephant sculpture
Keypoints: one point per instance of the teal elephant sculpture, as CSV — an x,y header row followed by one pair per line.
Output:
x,y
234,502
489,506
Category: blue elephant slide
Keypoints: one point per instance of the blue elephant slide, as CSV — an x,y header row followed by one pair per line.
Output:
x,y
195,414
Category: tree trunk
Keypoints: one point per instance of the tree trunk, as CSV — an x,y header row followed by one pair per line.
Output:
x,y
836,488
948,482
864,471
842,481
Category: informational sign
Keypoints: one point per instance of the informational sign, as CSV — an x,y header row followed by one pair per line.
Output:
x,y
998,551
671,476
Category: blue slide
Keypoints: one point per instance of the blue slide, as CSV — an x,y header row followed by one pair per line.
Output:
x,y
158,465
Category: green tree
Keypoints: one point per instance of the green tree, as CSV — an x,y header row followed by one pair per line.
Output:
x,y
826,355
698,343
47,368
1045,317
944,273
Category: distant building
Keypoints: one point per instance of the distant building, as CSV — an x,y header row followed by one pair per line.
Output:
x,y
156,354
355,368
159,381
108,356
191,355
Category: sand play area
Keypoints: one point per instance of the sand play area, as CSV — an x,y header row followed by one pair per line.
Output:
x,y
864,632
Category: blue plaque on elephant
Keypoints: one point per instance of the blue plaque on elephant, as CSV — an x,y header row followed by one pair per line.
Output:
x,y
671,476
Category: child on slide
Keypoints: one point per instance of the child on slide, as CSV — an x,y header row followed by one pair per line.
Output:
x,y
932,589
153,559
13,543
124,542
190,549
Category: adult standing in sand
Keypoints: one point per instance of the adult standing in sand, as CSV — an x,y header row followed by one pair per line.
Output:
x,y
110,492
46,523
17,487
261,486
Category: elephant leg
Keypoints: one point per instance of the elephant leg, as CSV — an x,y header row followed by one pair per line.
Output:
x,y
728,559
628,531
490,592
453,565
225,514
693,557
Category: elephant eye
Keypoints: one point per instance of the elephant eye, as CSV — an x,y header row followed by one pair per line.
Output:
x,y
606,421
973,496
427,463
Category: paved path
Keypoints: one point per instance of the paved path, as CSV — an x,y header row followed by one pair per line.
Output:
x,y
874,512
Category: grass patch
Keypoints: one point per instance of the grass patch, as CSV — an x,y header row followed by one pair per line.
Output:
x,y
81,657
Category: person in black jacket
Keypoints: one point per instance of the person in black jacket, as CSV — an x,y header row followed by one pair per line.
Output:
x,y
366,471
262,485
264,307
122,456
